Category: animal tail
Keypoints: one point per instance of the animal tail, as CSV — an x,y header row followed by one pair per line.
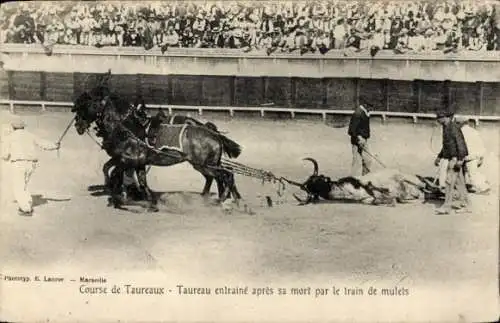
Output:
x,y
230,147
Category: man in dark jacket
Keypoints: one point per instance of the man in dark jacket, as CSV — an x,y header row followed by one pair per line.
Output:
x,y
454,151
359,132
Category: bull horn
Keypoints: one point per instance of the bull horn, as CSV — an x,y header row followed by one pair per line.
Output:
x,y
289,181
297,198
301,202
315,163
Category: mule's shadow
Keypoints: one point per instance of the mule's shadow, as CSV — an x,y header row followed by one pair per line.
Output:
x,y
39,199
98,190
135,198
101,190
93,188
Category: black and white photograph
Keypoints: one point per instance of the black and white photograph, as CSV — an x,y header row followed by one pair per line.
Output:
x,y
200,160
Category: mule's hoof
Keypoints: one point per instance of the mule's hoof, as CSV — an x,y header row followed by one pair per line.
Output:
x,y
153,209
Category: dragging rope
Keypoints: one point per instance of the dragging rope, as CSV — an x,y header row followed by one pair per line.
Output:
x,y
263,175
58,143
372,156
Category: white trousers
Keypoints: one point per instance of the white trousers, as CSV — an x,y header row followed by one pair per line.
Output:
x,y
360,160
20,174
443,171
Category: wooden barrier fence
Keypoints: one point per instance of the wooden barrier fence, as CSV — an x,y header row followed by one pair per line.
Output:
x,y
262,110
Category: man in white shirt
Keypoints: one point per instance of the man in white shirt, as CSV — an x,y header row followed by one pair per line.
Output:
x,y
19,149
339,34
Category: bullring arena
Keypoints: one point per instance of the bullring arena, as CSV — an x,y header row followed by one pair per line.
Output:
x,y
282,101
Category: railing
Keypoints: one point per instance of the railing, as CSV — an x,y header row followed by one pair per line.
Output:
x,y
238,53
437,66
262,110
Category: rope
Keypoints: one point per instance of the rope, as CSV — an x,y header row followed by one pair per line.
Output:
x,y
248,171
66,130
95,140
63,135
372,156
265,176
231,166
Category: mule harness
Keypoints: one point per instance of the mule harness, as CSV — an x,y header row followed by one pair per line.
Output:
x,y
226,165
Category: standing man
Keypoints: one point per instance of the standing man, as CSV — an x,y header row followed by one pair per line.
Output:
x,y
454,151
19,150
359,132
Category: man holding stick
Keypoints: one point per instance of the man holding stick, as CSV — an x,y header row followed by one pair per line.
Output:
x,y
454,151
359,132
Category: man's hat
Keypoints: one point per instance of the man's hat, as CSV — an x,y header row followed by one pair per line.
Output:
x,y
461,119
443,114
364,102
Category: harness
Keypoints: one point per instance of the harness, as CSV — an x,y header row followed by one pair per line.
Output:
x,y
119,124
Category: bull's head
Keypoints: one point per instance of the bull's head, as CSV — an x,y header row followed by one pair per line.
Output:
x,y
315,185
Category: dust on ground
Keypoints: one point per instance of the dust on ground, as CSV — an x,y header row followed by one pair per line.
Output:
x,y
192,235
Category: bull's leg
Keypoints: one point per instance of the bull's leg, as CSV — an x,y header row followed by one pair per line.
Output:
x,y
142,178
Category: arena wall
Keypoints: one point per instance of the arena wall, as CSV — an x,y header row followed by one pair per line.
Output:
x,y
465,85
304,93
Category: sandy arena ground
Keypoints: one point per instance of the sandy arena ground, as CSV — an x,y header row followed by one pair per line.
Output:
x,y
404,245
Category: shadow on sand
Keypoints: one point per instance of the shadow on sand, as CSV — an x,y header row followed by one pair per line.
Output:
x,y
175,201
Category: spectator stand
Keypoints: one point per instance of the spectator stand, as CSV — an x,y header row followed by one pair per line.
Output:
x,y
284,26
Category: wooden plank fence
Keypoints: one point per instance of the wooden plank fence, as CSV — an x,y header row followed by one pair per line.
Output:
x,y
261,110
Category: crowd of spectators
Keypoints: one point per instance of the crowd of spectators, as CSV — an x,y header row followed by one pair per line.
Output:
x,y
273,26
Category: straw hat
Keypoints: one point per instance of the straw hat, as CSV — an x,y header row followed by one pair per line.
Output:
x,y
461,119
444,114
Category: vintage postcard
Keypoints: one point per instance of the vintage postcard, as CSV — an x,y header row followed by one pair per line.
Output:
x,y
236,161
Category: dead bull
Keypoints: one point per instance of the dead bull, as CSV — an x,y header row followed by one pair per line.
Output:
x,y
383,187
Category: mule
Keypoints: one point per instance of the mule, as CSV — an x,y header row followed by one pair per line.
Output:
x,y
152,124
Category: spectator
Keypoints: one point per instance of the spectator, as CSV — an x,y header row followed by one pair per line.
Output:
x,y
454,26
23,26
339,34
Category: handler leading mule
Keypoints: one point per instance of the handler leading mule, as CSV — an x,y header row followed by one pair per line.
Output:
x,y
124,139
